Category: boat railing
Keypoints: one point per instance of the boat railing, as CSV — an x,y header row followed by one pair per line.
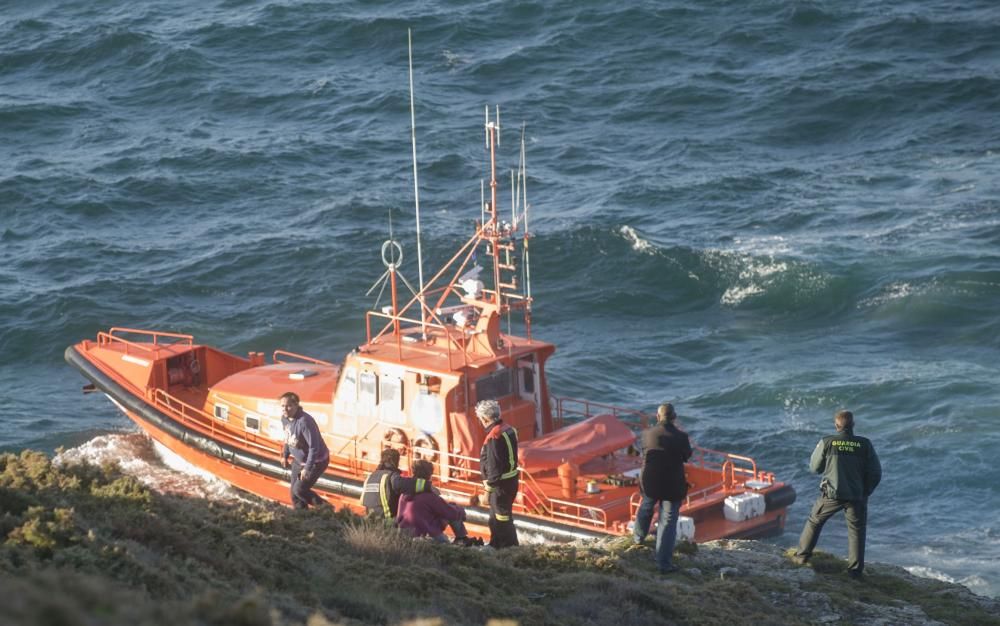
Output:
x,y
351,461
300,357
202,421
582,409
735,469
414,327
581,514
464,470
112,336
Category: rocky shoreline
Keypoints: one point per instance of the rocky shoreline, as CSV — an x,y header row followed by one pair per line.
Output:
x,y
84,544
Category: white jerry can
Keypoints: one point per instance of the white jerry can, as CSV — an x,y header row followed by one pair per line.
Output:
x,y
744,506
685,528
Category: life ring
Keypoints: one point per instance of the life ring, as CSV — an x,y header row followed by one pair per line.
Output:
x,y
421,445
395,437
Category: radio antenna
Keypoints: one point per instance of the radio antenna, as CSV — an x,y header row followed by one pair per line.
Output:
x,y
416,186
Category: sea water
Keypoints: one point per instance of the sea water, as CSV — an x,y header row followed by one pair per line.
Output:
x,y
760,211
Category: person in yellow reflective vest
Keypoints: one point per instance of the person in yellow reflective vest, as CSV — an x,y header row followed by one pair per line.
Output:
x,y
498,466
384,486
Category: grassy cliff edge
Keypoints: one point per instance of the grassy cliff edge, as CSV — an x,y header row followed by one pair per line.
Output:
x,y
84,544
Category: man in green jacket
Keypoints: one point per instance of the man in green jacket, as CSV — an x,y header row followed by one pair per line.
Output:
x,y
851,471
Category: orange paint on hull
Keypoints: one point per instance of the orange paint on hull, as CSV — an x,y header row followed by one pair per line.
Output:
x,y
412,385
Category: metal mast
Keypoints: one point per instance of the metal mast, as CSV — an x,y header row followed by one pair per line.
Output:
x,y
416,186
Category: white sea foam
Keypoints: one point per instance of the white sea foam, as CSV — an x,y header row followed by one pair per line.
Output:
x,y
638,243
767,246
976,584
929,572
892,292
453,59
318,85
754,272
157,468
737,294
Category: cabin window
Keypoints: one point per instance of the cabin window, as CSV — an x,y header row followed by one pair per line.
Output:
x,y
528,380
368,390
349,386
222,412
495,385
390,393
252,423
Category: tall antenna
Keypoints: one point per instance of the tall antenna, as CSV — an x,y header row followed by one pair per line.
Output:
x,y
416,186
527,235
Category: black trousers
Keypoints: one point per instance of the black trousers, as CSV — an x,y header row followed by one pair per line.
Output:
x,y
856,514
301,488
503,533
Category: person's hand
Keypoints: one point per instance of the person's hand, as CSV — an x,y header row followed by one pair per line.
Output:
x,y
284,462
487,487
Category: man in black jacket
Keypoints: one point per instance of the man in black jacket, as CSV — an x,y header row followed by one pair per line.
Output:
x,y
498,466
662,483
384,486
851,471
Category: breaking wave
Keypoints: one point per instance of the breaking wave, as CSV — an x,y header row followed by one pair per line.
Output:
x,y
152,464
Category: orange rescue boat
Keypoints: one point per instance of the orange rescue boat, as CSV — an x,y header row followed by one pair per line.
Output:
x,y
413,385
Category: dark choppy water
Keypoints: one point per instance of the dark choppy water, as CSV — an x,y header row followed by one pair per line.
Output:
x,y
762,210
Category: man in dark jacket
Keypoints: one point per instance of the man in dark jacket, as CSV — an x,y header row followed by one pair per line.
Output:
x,y
498,466
384,486
851,471
662,482
304,443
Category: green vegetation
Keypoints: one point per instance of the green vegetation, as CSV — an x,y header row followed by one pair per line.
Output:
x,y
83,544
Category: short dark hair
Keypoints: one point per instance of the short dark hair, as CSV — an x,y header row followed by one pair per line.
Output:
x,y
844,420
290,395
423,468
666,412
390,459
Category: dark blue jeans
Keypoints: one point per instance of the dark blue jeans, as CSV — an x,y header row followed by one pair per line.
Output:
x,y
666,528
301,488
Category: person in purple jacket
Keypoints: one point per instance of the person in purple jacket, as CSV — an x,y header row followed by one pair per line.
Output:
x,y
304,443
426,514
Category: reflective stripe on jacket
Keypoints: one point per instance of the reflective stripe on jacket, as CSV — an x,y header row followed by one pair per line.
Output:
x,y
383,488
498,457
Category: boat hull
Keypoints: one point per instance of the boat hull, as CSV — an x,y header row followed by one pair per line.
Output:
x,y
263,475
260,475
